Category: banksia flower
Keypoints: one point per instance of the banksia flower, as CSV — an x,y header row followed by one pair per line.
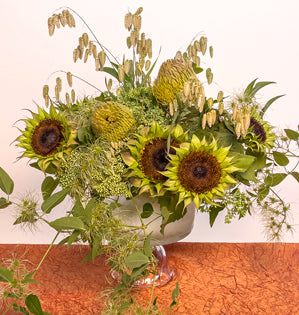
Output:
x,y
112,121
172,76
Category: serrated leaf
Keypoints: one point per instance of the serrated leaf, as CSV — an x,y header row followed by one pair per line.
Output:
x,y
174,295
275,179
28,278
78,208
4,203
147,246
6,183
67,223
147,210
54,200
292,134
20,309
136,260
48,186
33,304
280,158
137,272
6,274
263,192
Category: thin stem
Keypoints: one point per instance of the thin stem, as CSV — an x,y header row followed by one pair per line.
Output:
x,y
93,34
9,307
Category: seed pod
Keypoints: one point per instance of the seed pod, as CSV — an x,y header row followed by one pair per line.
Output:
x,y
138,69
211,51
119,91
137,22
214,116
73,96
200,103
133,38
210,102
102,58
197,45
210,119
128,20
141,62
64,15
203,44
90,45
75,55
209,75
81,43
72,22
220,108
148,45
85,39
45,91
109,85
247,120
56,20
197,60
204,121
235,109
171,109
178,56
239,116
127,66
94,51
238,130
129,43
51,29
67,98
121,73
186,89
86,55
147,65
138,11
57,92
62,19
175,105
220,96
59,84
80,52
47,101
97,64
243,129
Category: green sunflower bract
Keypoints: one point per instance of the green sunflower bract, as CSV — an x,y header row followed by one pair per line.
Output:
x,y
200,171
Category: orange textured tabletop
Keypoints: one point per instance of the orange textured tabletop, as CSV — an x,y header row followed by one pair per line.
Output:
x,y
214,278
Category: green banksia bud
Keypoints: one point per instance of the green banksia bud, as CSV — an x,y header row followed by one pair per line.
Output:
x,y
59,84
112,121
220,96
172,76
67,98
45,91
238,130
221,108
73,96
57,92
109,85
210,102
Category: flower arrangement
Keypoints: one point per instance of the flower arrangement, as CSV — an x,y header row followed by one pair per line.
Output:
x,y
164,139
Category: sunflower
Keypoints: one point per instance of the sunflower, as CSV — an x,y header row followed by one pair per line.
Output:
x,y
259,136
46,137
199,172
148,156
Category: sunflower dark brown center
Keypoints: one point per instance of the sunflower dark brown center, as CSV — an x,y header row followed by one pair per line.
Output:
x,y
258,129
154,158
199,172
47,137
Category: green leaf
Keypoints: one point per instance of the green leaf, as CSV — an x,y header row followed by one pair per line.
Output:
x,y
67,223
259,86
125,305
268,104
275,179
214,210
6,183
136,260
196,69
20,309
4,203
136,272
280,158
54,200
28,278
78,209
33,304
87,214
175,295
112,72
147,210
147,246
249,88
295,175
48,186
263,192
6,275
292,134
73,237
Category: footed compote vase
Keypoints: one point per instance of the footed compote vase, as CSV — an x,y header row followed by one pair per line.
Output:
x,y
173,232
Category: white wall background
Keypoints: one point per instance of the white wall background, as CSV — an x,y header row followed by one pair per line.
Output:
x,y
257,38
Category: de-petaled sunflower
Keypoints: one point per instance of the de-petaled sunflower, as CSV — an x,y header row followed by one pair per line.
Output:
x,y
46,137
148,157
259,136
172,76
200,171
